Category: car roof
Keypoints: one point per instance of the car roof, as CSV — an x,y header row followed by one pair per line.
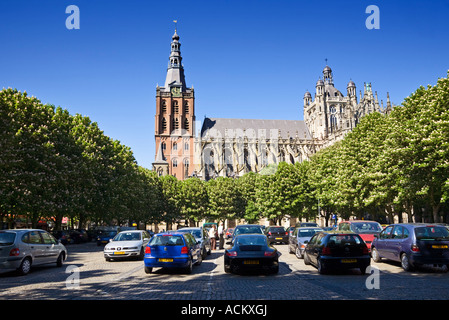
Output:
x,y
190,228
21,230
309,228
248,225
351,221
251,234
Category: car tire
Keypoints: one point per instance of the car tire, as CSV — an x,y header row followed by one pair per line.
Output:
x,y
189,268
306,259
204,253
321,268
227,269
148,270
375,255
60,260
405,263
298,253
25,267
275,270
199,260
142,254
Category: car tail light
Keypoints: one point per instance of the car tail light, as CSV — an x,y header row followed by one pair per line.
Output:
x,y
269,233
365,250
286,233
326,251
415,248
231,253
148,250
14,252
269,253
184,250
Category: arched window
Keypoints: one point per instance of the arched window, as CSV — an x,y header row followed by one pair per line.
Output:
x,y
175,163
175,146
163,106
186,168
175,106
186,124
163,146
164,124
186,107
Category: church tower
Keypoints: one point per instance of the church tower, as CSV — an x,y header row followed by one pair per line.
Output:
x,y
175,119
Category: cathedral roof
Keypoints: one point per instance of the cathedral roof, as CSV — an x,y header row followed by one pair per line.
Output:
x,y
273,128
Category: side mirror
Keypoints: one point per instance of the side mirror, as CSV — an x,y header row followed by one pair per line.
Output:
x,y
306,241
110,240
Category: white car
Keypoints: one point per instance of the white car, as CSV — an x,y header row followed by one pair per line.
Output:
x,y
127,244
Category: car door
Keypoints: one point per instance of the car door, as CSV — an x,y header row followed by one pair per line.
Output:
x,y
314,249
50,249
292,240
381,242
36,245
395,243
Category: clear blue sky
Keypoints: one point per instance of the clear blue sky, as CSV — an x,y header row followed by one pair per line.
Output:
x,y
245,59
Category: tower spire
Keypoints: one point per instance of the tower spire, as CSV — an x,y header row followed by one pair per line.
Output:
x,y
175,71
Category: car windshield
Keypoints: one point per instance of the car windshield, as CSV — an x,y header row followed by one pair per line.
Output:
x,y
251,241
432,233
307,232
167,240
248,229
127,236
344,239
366,227
7,238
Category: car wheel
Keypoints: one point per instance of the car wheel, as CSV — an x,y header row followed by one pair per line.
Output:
x,y
142,254
298,253
405,263
188,269
275,270
227,268
290,249
199,259
25,267
148,270
363,270
60,260
204,253
375,255
306,259
320,266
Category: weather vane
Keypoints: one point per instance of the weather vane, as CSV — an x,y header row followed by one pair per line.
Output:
x,y
176,24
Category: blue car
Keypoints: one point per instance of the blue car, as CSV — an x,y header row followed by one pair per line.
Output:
x,y
105,236
412,244
172,250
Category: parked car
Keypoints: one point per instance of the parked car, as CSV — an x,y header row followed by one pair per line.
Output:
x,y
307,224
246,229
297,242
84,235
335,250
172,250
20,249
364,228
77,237
63,236
249,252
276,234
413,244
127,244
202,236
228,233
105,236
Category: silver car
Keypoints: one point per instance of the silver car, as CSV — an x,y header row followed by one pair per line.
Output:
x,y
202,236
22,248
127,244
299,238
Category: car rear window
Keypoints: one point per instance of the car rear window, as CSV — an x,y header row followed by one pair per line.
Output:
x,y
248,229
344,239
366,227
7,238
432,233
167,240
251,241
278,229
307,232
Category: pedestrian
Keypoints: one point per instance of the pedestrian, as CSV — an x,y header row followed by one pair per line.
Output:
x,y
220,236
212,237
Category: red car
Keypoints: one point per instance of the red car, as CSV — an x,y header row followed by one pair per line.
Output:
x,y
364,228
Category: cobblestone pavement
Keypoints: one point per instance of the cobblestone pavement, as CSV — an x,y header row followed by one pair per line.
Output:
x,y
126,280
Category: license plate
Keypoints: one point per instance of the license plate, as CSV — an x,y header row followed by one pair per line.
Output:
x,y
278,238
165,260
439,246
348,260
119,252
251,262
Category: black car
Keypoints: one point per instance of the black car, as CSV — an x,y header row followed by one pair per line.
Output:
x,y
333,250
251,252
276,234
63,236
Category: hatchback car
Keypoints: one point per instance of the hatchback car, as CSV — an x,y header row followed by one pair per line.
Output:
x,y
127,244
104,237
251,251
276,234
202,236
20,249
413,244
298,240
364,228
335,250
172,250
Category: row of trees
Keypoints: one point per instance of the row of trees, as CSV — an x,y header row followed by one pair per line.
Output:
x,y
55,165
